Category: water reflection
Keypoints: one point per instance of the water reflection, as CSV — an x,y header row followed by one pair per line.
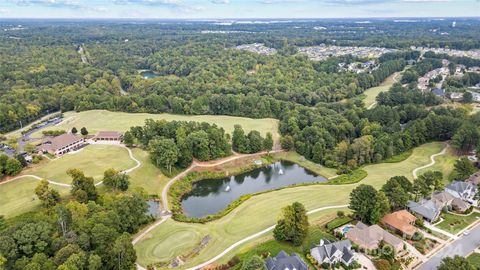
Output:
x,y
210,196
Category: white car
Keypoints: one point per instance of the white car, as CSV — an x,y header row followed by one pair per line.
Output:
x,y
467,232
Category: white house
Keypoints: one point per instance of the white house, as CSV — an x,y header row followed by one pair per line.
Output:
x,y
463,190
333,252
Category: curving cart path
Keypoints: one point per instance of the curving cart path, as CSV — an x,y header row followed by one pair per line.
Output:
x,y
432,161
253,236
52,182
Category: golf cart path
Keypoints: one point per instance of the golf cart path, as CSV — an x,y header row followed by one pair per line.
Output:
x,y
55,183
432,161
238,243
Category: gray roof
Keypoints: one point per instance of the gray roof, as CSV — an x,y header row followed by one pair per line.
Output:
x,y
283,262
439,92
327,249
460,186
427,209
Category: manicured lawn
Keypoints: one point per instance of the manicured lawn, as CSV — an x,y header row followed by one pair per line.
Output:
x,y
455,223
18,196
173,238
314,167
93,160
337,222
97,120
147,176
474,259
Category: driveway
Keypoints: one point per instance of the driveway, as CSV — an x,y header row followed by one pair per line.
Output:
x,y
463,246
365,262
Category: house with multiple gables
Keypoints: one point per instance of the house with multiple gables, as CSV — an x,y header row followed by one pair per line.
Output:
x,y
283,261
333,252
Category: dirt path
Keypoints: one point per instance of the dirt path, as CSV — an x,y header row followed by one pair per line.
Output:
x,y
432,161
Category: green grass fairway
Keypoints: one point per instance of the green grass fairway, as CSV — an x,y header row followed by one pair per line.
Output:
x,y
147,176
93,160
444,164
474,259
175,238
97,120
18,196
455,223
372,93
314,167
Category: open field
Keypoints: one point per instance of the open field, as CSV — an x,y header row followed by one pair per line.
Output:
x,y
262,211
455,223
93,160
97,120
372,93
18,196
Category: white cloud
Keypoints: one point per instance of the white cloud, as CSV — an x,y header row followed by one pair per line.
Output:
x,y
220,1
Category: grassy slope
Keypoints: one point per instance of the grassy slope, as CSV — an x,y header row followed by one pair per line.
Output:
x,y
147,176
93,160
97,120
174,238
474,259
18,196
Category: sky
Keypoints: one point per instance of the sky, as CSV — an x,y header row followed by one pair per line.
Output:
x,y
224,9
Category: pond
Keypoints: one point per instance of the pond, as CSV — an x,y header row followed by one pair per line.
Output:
x,y
148,74
210,196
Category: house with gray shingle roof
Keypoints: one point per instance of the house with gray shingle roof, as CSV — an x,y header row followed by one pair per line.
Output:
x,y
333,252
463,190
285,262
427,209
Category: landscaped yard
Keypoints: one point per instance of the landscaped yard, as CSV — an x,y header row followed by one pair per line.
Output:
x,y
455,223
97,120
474,259
173,238
93,160
18,196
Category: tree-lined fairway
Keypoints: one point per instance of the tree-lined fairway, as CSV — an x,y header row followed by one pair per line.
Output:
x,y
17,197
372,93
93,160
98,120
174,238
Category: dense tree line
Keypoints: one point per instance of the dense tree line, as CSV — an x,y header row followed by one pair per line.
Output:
x,y
91,231
176,143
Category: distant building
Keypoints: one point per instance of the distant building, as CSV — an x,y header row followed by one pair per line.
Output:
x,y
285,262
61,144
108,136
333,252
439,92
474,178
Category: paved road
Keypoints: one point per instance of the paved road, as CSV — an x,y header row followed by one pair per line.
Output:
x,y
463,246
